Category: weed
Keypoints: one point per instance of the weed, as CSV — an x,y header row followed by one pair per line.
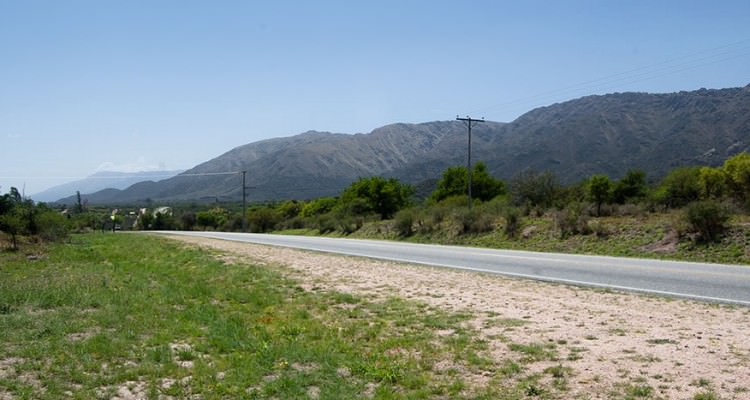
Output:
x,y
638,391
558,371
510,368
534,351
706,396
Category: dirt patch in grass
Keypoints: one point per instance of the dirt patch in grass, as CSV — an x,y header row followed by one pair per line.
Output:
x,y
667,245
593,342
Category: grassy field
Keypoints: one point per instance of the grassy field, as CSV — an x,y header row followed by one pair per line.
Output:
x,y
135,316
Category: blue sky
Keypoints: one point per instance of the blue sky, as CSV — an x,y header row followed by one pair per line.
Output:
x,y
131,85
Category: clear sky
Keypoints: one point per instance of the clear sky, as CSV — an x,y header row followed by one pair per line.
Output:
x,y
134,85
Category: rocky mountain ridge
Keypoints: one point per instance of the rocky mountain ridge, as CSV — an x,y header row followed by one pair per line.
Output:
x,y
594,134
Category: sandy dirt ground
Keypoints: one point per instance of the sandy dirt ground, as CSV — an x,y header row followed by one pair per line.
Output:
x,y
610,340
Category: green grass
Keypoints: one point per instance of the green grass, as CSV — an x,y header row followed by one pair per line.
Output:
x,y
535,351
140,313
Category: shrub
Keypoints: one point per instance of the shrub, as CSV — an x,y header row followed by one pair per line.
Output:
x,y
472,221
535,189
348,224
404,222
262,220
512,221
495,207
680,187
572,221
454,182
376,195
233,224
598,228
318,207
293,223
708,219
325,223
599,191
52,226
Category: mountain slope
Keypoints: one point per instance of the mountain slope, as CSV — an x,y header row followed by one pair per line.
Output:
x,y
612,133
99,181
595,134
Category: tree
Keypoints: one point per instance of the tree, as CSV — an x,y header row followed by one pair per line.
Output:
x,y
376,195
317,207
454,181
212,218
631,186
79,205
5,204
188,220
535,189
680,187
712,182
12,224
737,169
708,218
145,221
290,209
263,220
163,221
599,191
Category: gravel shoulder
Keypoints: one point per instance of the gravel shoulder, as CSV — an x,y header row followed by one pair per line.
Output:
x,y
610,340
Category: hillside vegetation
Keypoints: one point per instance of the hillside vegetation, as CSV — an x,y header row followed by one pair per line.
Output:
x,y
693,213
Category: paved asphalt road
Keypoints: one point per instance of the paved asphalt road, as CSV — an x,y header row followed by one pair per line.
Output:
x,y
707,282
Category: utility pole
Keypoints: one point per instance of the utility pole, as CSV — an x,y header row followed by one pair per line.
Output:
x,y
244,201
244,207
469,120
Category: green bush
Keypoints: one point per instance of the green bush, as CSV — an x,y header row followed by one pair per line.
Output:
x,y
52,226
318,207
708,219
680,187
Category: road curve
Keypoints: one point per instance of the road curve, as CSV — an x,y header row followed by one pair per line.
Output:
x,y
699,281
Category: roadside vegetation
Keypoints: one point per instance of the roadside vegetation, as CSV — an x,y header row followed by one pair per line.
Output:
x,y
695,213
126,316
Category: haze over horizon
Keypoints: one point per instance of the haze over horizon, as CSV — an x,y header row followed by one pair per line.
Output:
x,y
88,86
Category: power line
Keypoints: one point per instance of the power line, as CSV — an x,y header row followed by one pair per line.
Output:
x,y
652,71
121,176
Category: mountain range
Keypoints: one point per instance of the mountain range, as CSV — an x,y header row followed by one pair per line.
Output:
x,y
99,181
601,134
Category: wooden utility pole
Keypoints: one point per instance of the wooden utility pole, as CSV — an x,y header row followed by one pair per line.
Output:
x,y
469,120
244,209
244,201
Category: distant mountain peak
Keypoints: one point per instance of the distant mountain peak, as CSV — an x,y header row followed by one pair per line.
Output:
x,y
99,181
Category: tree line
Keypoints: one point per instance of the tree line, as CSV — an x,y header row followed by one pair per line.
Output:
x,y
709,196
